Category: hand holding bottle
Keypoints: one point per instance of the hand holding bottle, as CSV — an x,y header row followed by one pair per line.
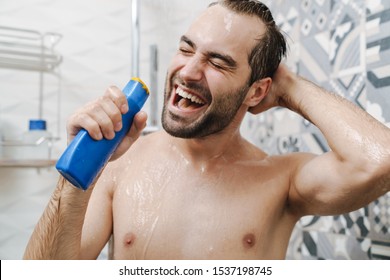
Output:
x,y
103,130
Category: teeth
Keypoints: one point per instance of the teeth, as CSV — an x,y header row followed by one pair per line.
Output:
x,y
194,99
189,96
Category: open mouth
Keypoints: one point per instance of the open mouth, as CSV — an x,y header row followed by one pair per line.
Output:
x,y
187,101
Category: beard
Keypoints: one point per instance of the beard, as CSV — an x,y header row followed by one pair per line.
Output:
x,y
220,113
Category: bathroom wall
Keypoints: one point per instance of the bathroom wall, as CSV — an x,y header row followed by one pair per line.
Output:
x,y
344,47
96,53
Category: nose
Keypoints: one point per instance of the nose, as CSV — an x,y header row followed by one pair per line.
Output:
x,y
192,69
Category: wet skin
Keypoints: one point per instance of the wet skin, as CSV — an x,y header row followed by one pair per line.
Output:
x,y
164,207
209,197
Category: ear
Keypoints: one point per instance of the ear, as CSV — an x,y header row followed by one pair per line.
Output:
x,y
257,92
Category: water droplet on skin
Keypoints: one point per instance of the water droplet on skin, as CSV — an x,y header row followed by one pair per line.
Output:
x,y
176,150
228,20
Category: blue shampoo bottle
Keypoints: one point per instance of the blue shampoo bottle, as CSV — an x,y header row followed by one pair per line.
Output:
x,y
85,157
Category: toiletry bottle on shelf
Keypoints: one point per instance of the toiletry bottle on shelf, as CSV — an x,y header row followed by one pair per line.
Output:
x,y
36,141
85,157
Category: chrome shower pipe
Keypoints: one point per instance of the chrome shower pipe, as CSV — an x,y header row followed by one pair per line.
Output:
x,y
135,36
153,84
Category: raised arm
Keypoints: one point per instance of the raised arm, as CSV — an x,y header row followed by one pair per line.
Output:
x,y
357,169
65,230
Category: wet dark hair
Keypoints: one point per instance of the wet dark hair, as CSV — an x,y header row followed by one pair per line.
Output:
x,y
267,54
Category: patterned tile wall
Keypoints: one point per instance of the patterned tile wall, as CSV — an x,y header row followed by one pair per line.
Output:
x,y
343,46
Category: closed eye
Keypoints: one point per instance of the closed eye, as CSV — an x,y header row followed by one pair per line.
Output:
x,y
217,65
222,61
185,51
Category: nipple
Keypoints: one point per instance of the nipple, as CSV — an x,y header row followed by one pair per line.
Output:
x,y
249,240
129,239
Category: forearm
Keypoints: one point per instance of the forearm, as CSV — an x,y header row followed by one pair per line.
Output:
x,y
351,133
58,232
359,159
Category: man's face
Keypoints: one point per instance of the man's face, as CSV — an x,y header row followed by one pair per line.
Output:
x,y
206,84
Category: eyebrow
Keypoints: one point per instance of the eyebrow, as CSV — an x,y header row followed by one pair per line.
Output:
x,y
230,62
187,40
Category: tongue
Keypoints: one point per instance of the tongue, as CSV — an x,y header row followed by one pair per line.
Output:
x,y
185,103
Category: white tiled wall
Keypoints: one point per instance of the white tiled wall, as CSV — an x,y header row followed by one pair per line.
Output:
x,y
23,196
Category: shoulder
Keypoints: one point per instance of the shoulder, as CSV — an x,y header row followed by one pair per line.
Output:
x,y
291,159
151,140
290,163
141,153
279,167
295,159
146,147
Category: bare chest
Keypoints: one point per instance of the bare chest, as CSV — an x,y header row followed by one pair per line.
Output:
x,y
195,216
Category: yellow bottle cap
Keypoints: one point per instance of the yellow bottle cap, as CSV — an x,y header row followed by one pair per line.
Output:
x,y
143,84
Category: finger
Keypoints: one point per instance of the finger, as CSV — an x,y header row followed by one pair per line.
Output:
x,y
119,99
82,120
112,110
99,115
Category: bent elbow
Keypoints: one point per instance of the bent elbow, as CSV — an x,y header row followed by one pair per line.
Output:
x,y
378,176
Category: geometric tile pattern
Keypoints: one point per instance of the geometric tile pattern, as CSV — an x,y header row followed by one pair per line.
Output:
x,y
377,57
343,46
355,223
319,245
380,213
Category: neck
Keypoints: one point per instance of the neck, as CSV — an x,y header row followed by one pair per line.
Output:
x,y
210,147
218,146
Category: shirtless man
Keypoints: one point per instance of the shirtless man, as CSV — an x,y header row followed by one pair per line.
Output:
x,y
198,190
